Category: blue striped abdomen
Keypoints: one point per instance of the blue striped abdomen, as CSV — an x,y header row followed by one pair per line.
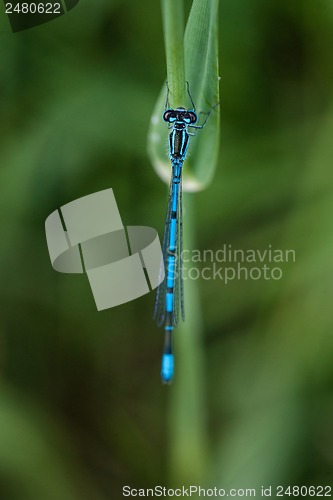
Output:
x,y
172,269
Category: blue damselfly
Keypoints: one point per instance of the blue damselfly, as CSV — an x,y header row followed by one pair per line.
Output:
x,y
170,294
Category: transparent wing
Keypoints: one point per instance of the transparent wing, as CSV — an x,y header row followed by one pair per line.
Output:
x,y
159,309
160,301
181,280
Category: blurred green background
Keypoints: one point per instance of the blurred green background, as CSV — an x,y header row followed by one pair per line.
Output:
x,y
82,408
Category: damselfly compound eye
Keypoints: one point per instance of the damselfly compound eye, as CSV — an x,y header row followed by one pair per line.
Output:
x,y
169,115
193,116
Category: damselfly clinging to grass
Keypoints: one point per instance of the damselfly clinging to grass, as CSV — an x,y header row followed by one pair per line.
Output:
x,y
170,294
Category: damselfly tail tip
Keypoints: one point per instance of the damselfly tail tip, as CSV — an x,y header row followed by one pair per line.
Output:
x,y
167,368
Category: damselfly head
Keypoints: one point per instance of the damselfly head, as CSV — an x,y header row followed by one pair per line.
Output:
x,y
180,115
187,116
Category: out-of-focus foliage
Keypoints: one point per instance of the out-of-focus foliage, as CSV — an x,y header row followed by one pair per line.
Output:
x,y
82,410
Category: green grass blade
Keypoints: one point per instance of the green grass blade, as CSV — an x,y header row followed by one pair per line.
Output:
x,y
199,52
201,68
173,27
189,444
193,57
